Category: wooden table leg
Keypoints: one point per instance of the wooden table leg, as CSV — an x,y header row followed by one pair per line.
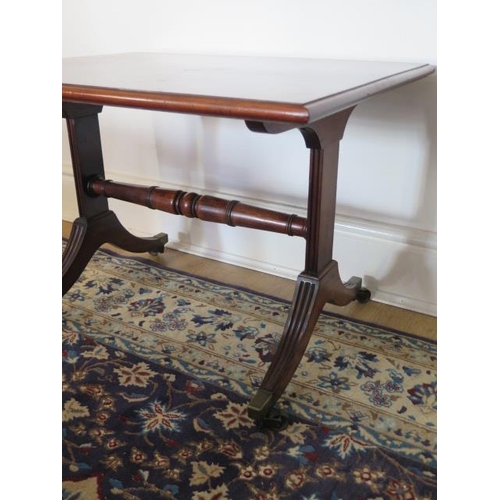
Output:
x,y
97,224
320,282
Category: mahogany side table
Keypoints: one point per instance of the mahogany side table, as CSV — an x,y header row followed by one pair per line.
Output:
x,y
271,95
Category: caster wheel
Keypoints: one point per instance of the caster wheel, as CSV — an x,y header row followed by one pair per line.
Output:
x,y
363,295
274,420
163,239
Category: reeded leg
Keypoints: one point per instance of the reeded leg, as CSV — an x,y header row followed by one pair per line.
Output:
x,y
97,224
320,282
87,235
311,294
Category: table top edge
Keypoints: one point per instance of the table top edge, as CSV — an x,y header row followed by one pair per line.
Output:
x,y
294,113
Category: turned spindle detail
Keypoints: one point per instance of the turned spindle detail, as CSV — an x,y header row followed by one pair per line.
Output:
x,y
203,207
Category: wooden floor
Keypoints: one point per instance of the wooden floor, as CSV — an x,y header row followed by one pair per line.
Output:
x,y
373,312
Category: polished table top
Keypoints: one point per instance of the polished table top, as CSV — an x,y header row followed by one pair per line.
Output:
x,y
287,90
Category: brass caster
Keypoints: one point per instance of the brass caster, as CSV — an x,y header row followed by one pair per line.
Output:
x,y
162,240
363,295
275,420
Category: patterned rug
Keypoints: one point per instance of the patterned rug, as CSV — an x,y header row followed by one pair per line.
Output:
x,y
158,367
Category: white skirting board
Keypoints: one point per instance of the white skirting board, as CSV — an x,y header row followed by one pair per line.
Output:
x,y
398,264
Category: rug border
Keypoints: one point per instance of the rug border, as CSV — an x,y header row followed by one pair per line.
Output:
x,y
159,265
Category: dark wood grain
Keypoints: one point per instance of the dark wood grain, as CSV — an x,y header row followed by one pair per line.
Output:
x,y
97,224
320,281
203,207
190,104
256,89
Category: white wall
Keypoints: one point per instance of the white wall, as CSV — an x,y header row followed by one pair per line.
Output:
x,y
386,229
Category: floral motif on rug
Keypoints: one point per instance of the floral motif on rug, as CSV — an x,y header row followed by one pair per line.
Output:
x,y
375,385
133,429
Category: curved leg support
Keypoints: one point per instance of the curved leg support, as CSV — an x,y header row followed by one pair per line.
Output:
x,y
96,224
88,234
311,294
320,282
